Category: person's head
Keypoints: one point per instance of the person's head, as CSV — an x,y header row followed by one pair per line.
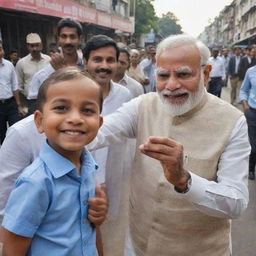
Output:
x,y
182,72
237,51
252,53
123,62
215,52
100,56
225,52
68,110
14,56
1,50
152,53
34,44
69,33
135,57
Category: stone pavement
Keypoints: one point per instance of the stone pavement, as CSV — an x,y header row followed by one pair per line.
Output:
x,y
244,228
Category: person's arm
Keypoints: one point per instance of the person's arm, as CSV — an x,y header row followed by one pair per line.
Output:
x,y
15,245
245,91
228,196
99,243
121,123
20,75
17,99
20,147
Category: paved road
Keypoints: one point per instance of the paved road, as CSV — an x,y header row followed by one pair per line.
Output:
x,y
244,228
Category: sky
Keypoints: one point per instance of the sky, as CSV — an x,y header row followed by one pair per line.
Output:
x,y
193,15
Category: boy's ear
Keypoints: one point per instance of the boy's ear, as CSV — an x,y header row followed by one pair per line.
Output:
x,y
101,121
38,118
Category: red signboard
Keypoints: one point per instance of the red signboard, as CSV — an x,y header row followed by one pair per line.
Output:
x,y
60,8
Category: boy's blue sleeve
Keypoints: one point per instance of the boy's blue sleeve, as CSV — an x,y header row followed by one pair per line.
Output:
x,y
26,207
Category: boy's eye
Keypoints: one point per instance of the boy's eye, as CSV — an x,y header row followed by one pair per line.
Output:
x,y
88,111
60,108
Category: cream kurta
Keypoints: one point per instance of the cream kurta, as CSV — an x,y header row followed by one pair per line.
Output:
x,y
162,222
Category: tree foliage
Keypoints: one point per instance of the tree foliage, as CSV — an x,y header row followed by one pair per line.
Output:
x,y
145,17
168,25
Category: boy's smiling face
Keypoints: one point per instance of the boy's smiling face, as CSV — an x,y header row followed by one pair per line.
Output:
x,y
70,117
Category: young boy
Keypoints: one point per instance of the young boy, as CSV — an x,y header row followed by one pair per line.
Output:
x,y
47,211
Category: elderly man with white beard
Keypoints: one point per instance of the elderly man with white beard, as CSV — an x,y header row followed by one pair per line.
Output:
x,y
189,175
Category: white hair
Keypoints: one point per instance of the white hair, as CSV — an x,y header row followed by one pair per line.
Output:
x,y
181,40
132,51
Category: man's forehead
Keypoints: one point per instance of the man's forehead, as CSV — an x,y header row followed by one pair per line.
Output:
x,y
185,55
68,30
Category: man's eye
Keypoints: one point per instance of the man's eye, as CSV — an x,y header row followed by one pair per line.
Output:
x,y
183,75
163,76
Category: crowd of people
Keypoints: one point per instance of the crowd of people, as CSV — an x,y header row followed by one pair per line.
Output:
x,y
136,126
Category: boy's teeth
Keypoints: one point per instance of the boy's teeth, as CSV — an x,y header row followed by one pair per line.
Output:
x,y
72,132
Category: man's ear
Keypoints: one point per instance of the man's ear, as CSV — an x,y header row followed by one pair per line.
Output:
x,y
207,71
84,61
38,118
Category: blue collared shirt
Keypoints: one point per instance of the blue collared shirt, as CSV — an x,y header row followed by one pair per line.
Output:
x,y
8,79
248,88
49,204
42,75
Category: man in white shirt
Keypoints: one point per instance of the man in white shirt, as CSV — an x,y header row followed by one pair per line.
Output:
x,y
101,60
217,75
30,64
148,66
10,106
122,78
69,34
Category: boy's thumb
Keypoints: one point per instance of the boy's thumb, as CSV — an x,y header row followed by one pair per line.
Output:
x,y
100,192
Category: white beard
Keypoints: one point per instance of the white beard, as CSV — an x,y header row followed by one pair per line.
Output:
x,y
181,108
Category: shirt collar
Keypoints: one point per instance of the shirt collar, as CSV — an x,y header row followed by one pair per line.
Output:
x,y
124,80
79,62
32,59
59,165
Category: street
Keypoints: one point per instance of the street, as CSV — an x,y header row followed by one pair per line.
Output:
x,y
244,228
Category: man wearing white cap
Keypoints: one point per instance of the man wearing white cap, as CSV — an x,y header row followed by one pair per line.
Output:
x,y
30,64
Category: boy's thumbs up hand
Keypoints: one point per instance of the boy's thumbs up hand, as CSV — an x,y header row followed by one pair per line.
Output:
x,y
98,207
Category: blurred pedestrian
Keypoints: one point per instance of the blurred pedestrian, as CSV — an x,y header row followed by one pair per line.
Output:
x,y
124,79
218,74
10,105
27,66
13,57
233,73
248,99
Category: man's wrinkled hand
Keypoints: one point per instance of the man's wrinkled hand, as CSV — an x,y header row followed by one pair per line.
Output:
x,y
170,155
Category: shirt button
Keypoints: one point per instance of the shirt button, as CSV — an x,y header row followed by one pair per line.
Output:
x,y
85,202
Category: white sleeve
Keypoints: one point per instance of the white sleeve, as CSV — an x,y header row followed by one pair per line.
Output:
x,y
229,196
13,159
121,123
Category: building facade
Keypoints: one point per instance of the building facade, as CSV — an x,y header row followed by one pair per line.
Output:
x,y
21,17
235,25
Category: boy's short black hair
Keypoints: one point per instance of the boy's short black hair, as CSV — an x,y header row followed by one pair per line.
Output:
x,y
70,23
64,74
97,42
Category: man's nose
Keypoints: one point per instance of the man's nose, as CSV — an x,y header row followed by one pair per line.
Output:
x,y
172,83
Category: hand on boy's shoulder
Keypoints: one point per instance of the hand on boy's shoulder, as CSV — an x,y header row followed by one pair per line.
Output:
x,y
98,207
